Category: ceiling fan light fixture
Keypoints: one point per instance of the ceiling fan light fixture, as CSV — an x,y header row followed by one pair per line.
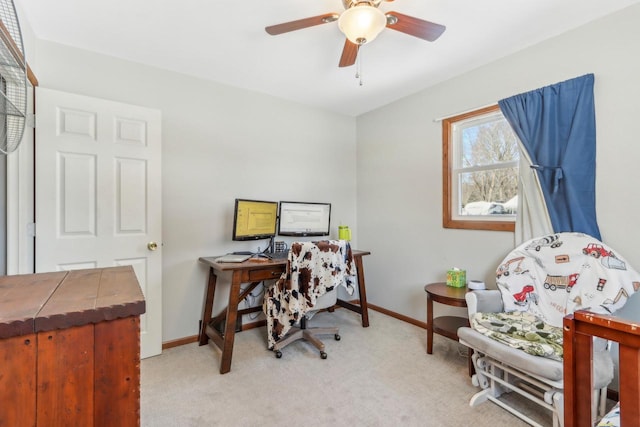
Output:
x,y
362,23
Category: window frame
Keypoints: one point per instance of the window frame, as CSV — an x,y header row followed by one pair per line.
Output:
x,y
448,141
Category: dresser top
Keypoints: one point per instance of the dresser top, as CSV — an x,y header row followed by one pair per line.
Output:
x,y
46,301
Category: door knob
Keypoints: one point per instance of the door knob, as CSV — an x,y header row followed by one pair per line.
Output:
x,y
152,246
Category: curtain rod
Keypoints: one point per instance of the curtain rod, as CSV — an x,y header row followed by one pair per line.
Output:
x,y
439,119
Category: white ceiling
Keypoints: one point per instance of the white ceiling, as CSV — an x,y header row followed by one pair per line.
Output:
x,y
225,41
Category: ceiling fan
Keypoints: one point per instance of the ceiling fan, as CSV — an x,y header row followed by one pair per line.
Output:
x,y
361,22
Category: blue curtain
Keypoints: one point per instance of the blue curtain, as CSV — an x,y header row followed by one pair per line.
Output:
x,y
557,127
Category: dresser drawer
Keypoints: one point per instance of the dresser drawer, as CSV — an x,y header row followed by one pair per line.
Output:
x,y
265,274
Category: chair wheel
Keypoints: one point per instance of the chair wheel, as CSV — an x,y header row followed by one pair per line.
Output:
x,y
278,354
337,337
323,355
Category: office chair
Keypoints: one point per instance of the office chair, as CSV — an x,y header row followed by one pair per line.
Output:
x,y
311,335
309,284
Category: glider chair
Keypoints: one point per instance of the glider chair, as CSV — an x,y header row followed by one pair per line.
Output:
x,y
309,284
516,331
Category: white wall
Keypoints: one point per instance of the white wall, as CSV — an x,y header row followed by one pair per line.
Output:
x,y
400,161
219,143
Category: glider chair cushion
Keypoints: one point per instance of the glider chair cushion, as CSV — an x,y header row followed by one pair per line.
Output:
x,y
519,348
490,301
536,365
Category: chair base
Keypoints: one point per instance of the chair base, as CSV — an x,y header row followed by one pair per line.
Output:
x,y
495,378
307,334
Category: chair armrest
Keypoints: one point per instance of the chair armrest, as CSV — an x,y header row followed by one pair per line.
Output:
x,y
485,301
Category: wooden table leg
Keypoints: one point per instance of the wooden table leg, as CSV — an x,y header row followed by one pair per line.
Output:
x,y
203,339
362,292
362,307
629,357
230,324
577,378
429,325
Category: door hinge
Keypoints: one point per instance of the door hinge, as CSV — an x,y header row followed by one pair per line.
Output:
x,y
31,229
31,120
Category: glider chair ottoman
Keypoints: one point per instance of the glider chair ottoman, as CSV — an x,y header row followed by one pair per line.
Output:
x,y
516,330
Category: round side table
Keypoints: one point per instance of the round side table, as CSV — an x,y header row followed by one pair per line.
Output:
x,y
446,326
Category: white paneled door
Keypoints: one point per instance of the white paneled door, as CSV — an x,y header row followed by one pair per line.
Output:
x,y
98,193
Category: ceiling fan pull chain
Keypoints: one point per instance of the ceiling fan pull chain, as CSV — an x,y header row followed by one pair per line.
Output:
x,y
359,66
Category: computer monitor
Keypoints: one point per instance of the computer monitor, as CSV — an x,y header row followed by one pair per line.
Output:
x,y
304,219
254,219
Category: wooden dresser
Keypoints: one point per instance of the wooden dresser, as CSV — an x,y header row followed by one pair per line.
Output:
x,y
70,348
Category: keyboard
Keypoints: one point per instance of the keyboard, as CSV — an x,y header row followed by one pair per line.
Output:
x,y
277,255
233,258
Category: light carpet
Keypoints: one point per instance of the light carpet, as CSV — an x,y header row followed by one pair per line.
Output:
x,y
375,376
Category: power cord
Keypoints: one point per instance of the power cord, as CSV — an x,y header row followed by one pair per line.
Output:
x,y
251,300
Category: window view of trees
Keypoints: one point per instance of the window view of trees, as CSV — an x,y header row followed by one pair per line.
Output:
x,y
488,178
480,171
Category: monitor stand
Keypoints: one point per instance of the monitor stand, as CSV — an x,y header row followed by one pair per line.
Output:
x,y
272,246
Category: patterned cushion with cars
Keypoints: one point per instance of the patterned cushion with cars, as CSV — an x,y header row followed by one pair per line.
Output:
x,y
555,275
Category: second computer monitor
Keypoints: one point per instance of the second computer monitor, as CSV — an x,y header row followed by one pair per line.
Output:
x,y
304,219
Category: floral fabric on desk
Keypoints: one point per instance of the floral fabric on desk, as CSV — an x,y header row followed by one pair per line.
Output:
x,y
313,269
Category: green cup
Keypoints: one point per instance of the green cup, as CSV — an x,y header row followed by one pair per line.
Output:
x,y
344,232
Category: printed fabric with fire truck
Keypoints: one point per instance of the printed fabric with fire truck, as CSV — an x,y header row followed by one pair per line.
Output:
x,y
555,275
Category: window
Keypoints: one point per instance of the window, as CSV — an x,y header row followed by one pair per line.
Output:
x,y
480,171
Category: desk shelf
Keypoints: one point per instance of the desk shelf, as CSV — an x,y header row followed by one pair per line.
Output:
x,y
448,326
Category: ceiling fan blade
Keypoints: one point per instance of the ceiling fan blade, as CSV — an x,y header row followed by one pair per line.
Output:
x,y
349,54
416,27
301,23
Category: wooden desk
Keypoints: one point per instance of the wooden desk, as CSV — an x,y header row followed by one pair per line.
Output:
x,y
70,348
446,326
221,329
